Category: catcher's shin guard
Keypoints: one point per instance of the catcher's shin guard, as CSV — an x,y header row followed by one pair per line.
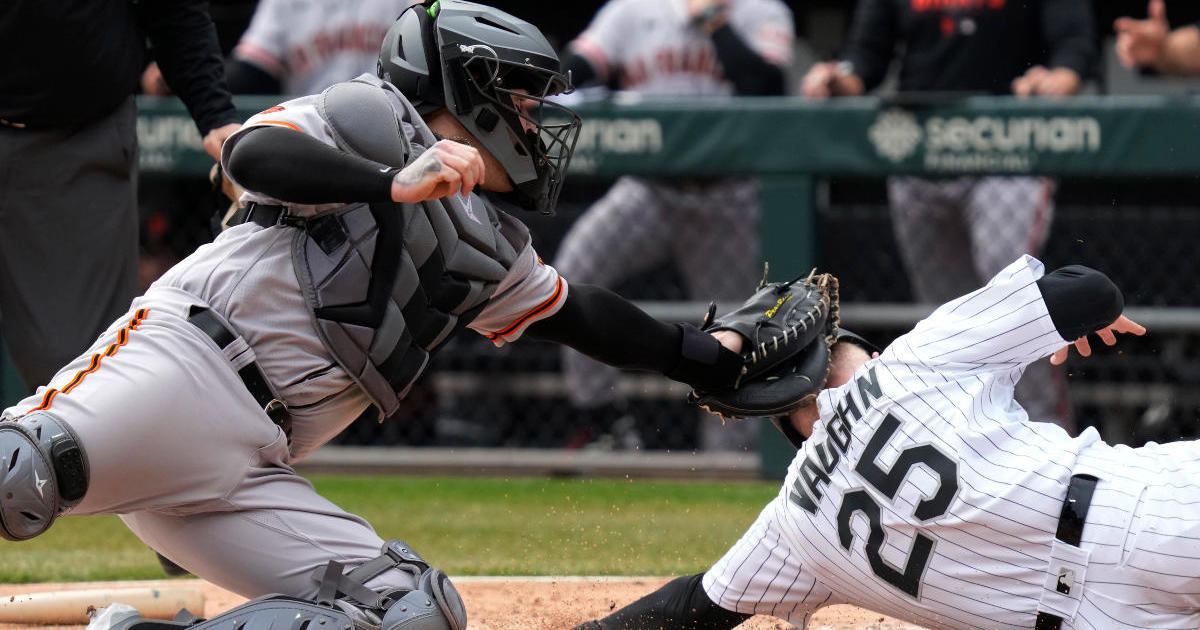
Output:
x,y
43,473
343,602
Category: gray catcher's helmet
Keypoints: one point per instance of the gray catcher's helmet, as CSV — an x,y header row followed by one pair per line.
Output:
x,y
492,71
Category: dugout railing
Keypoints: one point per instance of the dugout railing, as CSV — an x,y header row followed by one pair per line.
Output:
x,y
1125,169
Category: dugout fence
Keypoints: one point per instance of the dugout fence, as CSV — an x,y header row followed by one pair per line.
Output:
x,y
1124,172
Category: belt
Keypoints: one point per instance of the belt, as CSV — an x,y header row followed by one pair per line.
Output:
x,y
1070,530
252,377
260,213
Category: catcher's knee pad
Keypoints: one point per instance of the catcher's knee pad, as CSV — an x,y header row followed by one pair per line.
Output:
x,y
433,605
43,473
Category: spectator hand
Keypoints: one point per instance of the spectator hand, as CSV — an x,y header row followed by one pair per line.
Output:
x,y
1106,334
153,82
1038,81
447,168
827,79
1142,43
215,138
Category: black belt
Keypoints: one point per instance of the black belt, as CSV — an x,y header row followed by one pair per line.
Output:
x,y
325,229
252,377
260,213
1070,530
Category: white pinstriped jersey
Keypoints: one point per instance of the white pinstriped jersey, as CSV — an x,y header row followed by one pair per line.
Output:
x,y
650,47
925,493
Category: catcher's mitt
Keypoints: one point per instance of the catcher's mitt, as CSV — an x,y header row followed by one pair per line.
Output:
x,y
788,329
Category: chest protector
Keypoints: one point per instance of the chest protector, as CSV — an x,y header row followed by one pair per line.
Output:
x,y
388,283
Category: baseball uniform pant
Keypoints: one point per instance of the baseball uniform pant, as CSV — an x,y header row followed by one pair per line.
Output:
x,y
179,448
640,224
954,234
68,237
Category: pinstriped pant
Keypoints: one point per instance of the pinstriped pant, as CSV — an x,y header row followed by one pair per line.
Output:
x,y
955,234
710,234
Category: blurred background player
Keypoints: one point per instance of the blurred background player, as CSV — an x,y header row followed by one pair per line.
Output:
x,y
297,47
1150,43
954,233
672,49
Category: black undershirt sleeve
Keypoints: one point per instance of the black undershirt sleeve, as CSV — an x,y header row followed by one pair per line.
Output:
x,y
294,167
1067,29
871,44
681,604
750,73
1081,300
189,54
609,328
246,78
582,72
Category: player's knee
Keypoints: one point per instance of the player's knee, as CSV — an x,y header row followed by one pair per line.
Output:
x,y
43,473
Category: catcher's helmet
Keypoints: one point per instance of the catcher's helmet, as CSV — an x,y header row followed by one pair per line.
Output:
x,y
493,72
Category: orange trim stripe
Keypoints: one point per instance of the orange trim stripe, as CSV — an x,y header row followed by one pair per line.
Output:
x,y
540,308
281,123
94,362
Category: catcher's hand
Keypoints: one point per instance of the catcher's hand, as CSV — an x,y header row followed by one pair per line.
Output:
x,y
788,328
1108,335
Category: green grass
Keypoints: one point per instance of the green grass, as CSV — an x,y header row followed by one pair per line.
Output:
x,y
467,526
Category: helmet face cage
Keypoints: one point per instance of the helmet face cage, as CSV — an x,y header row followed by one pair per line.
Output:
x,y
541,133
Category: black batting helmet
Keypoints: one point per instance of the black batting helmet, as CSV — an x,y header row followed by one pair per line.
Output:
x,y
493,72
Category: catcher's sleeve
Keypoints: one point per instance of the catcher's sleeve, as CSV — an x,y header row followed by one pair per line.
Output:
x,y
608,328
298,168
1080,300
680,604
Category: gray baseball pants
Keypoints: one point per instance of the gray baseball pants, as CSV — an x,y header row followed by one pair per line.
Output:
x,y
68,237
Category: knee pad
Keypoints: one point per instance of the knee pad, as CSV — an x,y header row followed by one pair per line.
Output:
x,y
433,605
43,473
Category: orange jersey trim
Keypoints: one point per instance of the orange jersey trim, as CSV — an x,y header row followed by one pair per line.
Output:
x,y
540,308
281,123
94,363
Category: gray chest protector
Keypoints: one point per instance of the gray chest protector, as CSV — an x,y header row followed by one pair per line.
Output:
x,y
387,283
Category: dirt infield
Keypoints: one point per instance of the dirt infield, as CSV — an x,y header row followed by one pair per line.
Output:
x,y
520,604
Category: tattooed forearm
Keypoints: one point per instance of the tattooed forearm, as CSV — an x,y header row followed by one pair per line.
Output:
x,y
412,174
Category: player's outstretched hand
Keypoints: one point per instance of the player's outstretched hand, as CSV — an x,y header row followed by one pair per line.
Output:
x,y
446,168
1108,335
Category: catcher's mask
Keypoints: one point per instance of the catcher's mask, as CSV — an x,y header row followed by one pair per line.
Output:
x,y
493,72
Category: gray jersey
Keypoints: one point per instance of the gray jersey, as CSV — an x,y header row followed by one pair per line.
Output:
x,y
651,48
309,45
925,493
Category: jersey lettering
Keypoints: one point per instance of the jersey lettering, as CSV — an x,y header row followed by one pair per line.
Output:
x,y
822,458
888,482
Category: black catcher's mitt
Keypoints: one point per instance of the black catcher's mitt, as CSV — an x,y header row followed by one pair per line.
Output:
x,y
788,329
